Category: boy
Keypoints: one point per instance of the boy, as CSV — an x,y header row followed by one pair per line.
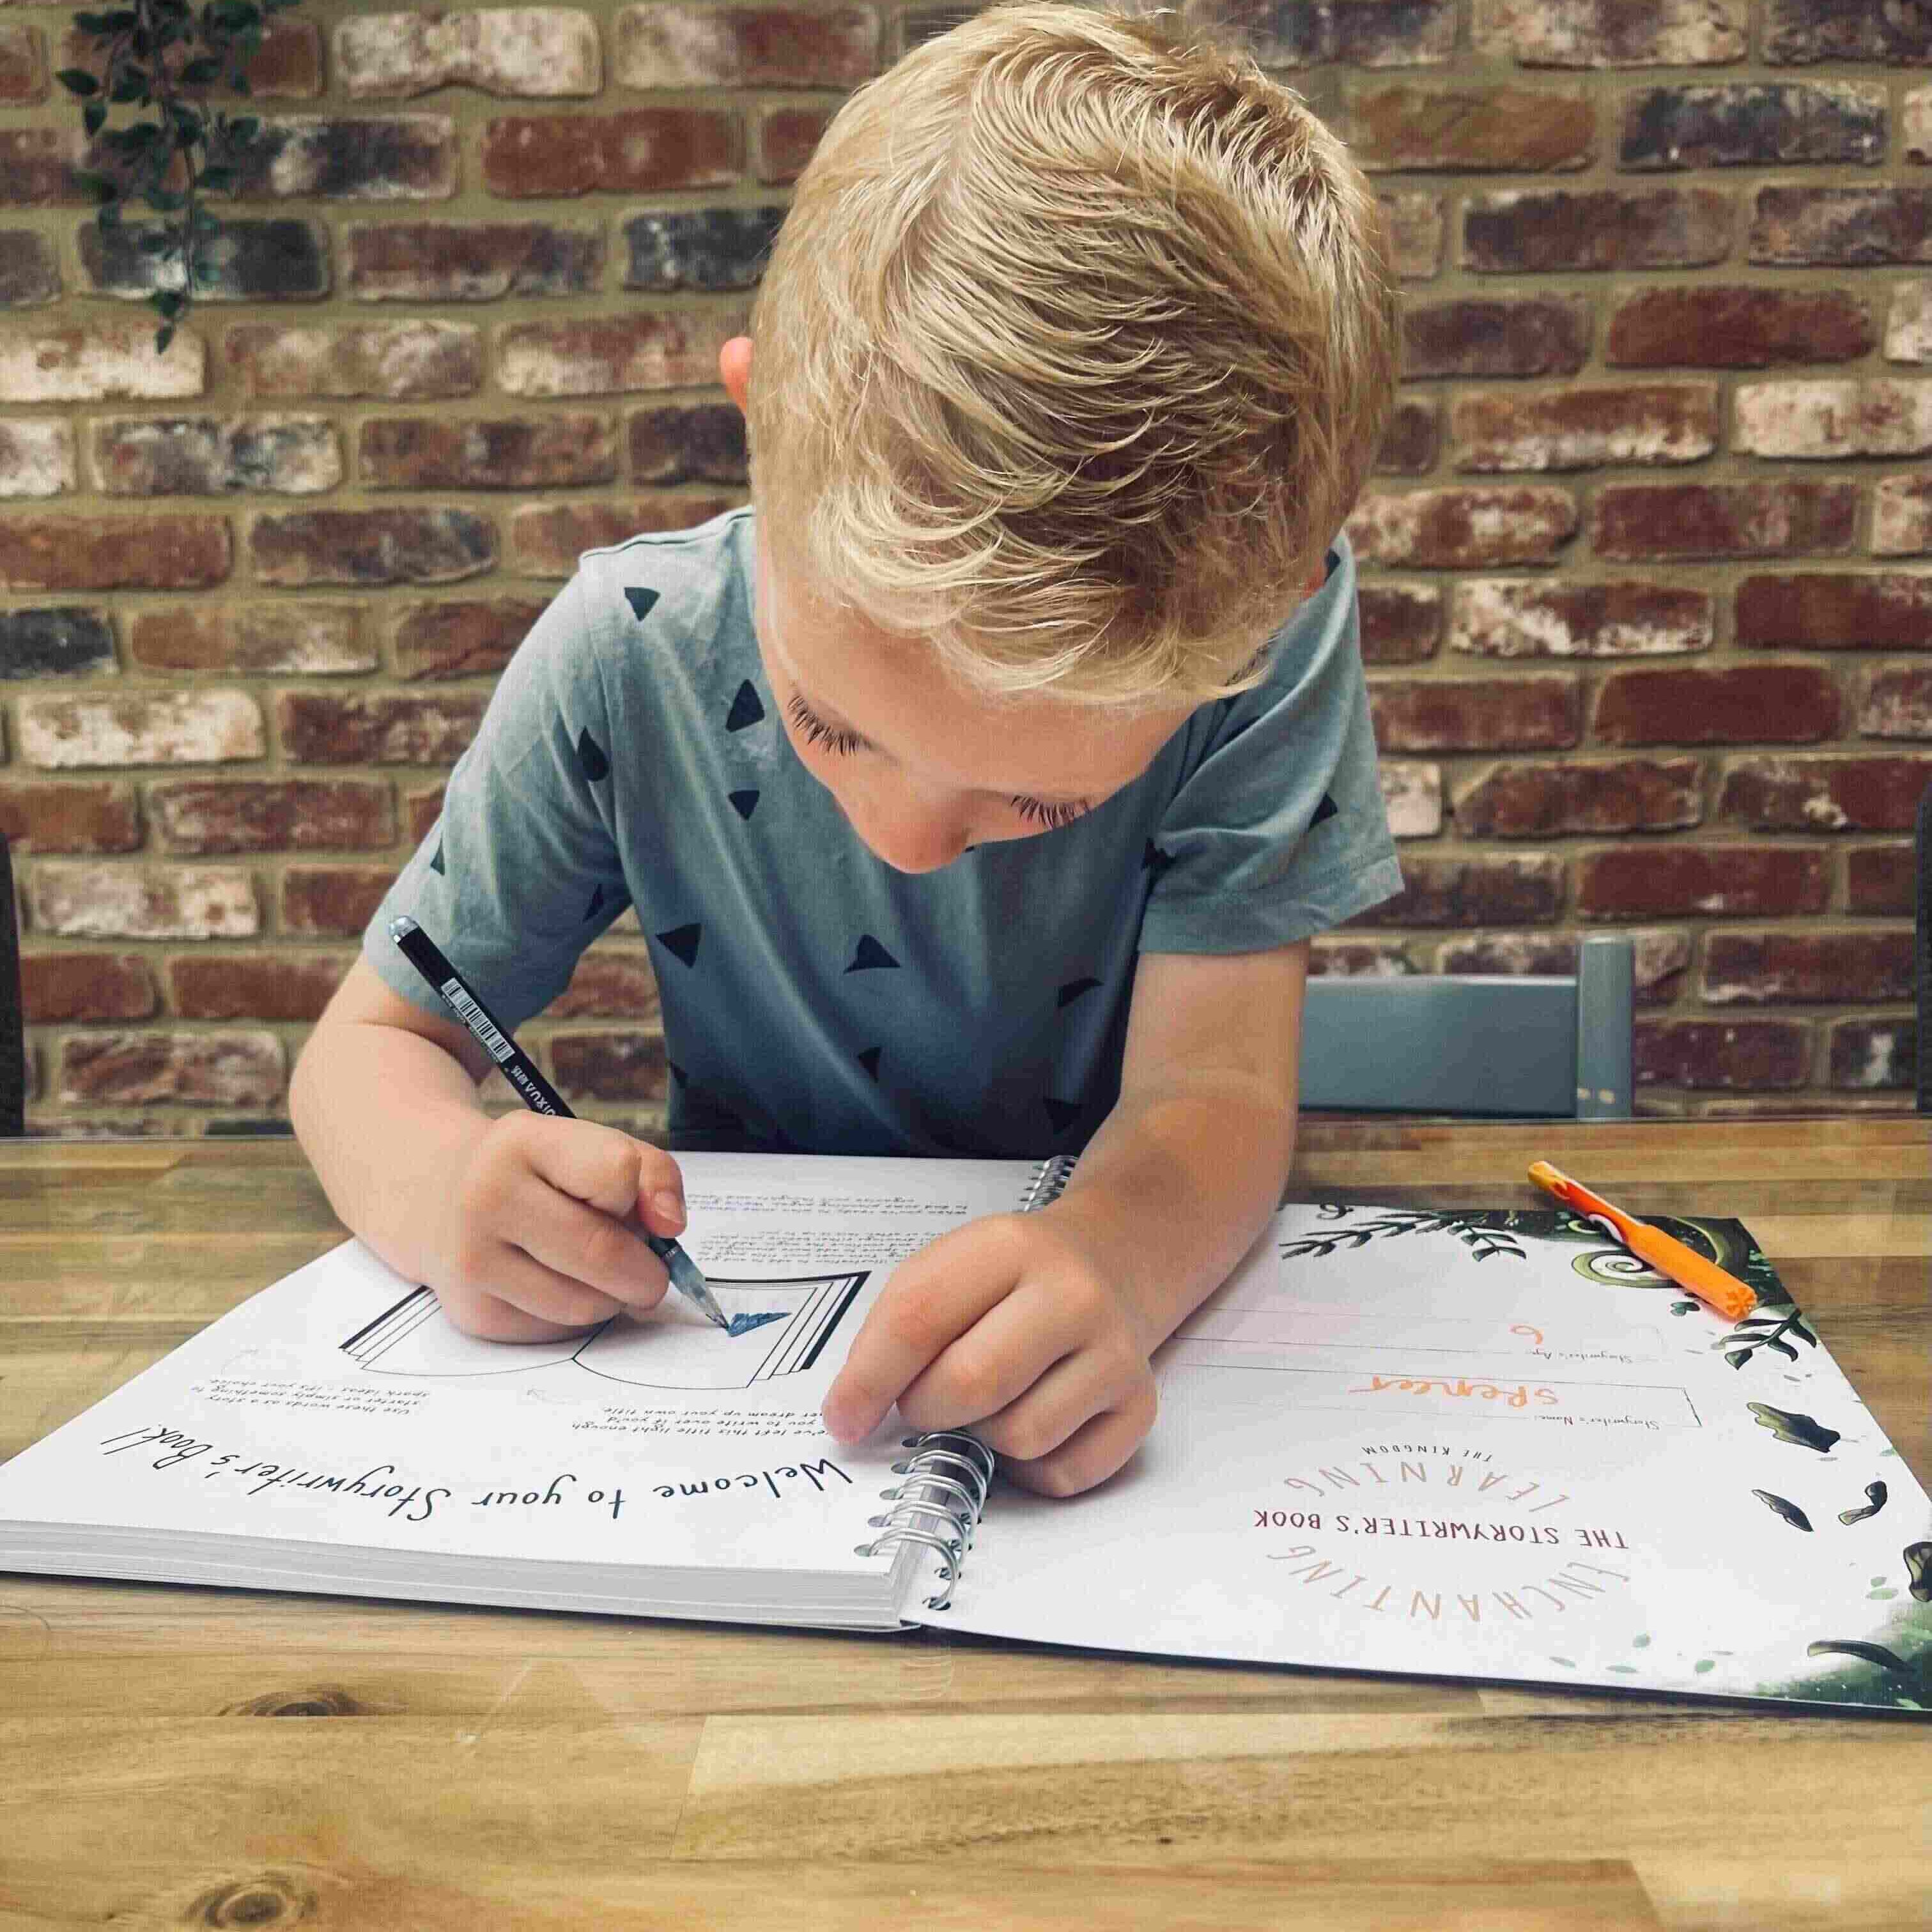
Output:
x,y
974,792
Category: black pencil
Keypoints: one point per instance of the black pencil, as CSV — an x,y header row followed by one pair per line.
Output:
x,y
538,1094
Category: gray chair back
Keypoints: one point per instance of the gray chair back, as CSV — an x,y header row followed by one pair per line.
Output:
x,y
13,1019
1476,1043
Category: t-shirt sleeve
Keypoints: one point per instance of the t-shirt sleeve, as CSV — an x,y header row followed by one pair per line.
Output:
x,y
521,871
1278,830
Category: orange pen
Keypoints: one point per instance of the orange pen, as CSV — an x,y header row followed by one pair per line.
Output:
x,y
1725,1293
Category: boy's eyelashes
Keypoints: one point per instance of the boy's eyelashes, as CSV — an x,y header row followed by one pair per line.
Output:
x,y
1045,813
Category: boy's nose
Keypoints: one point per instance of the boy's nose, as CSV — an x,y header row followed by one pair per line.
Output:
x,y
911,839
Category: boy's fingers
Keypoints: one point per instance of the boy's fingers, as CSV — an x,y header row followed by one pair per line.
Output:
x,y
994,1363
605,1167
573,1242
527,1302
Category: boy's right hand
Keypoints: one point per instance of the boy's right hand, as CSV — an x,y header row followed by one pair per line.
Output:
x,y
536,1238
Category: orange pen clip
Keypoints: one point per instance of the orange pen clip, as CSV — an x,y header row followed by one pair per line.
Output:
x,y
1725,1293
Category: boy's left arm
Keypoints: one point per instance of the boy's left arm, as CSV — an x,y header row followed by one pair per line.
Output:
x,y
1035,1331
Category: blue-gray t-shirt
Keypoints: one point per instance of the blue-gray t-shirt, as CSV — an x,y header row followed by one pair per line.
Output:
x,y
814,998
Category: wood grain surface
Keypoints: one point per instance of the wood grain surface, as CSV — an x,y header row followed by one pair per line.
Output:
x,y
176,1757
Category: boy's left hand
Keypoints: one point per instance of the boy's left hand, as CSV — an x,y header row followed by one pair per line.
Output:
x,y
1008,1326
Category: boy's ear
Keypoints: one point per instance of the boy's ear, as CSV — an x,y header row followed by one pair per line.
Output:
x,y
734,367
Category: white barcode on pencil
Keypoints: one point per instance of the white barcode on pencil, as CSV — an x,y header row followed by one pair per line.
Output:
x,y
500,1048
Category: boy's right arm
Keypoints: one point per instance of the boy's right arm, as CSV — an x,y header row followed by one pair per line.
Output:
x,y
520,1224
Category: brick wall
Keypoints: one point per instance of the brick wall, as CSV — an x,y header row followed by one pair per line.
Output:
x,y
1645,604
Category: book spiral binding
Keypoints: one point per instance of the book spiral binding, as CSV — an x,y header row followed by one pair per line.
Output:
x,y
944,1495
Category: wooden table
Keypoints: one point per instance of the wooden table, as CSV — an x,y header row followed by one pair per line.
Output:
x,y
466,1768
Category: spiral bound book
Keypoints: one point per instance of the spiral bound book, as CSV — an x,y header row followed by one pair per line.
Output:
x,y
1482,1444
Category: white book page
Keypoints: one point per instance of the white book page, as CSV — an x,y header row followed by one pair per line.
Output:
x,y
341,1405
1416,1443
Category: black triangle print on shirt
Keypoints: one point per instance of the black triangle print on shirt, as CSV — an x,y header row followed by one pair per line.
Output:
x,y
1154,860
868,954
590,759
677,1072
682,941
746,709
742,802
1062,1113
596,904
1072,990
640,600
869,1060
1327,809
436,864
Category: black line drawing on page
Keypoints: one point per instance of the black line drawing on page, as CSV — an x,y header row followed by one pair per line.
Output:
x,y
673,1347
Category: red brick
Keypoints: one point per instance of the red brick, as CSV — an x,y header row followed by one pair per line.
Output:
x,y
1722,881
298,636
1413,223
37,167
1737,327
58,641
284,259
287,65
1515,130
394,158
1752,704
23,66
646,150
1548,335
1831,611
1520,231
29,274
1475,714
1917,121
60,988
609,983
1663,957
1463,528
1635,520
486,453
1902,517
1869,1053
786,138
206,456
140,728
1747,124
272,814
1880,879
401,362
255,985
1841,227
132,553
1613,33
701,443
1504,889
319,728
332,902
1724,1053
79,902
1834,417
1408,445
229,1068
422,809
1359,959
473,638
537,51
1908,328
1814,968
1842,794
1399,33
1576,428
36,457
667,45
472,261
1411,796
110,358
1799,31
370,546
1896,702
546,539
39,816
625,1066
1495,617
1541,801
1401,623
595,355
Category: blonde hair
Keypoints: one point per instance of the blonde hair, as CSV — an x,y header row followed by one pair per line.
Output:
x,y
1073,351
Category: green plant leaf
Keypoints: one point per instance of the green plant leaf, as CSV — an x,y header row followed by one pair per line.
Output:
x,y
94,117
163,336
102,188
78,80
203,71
